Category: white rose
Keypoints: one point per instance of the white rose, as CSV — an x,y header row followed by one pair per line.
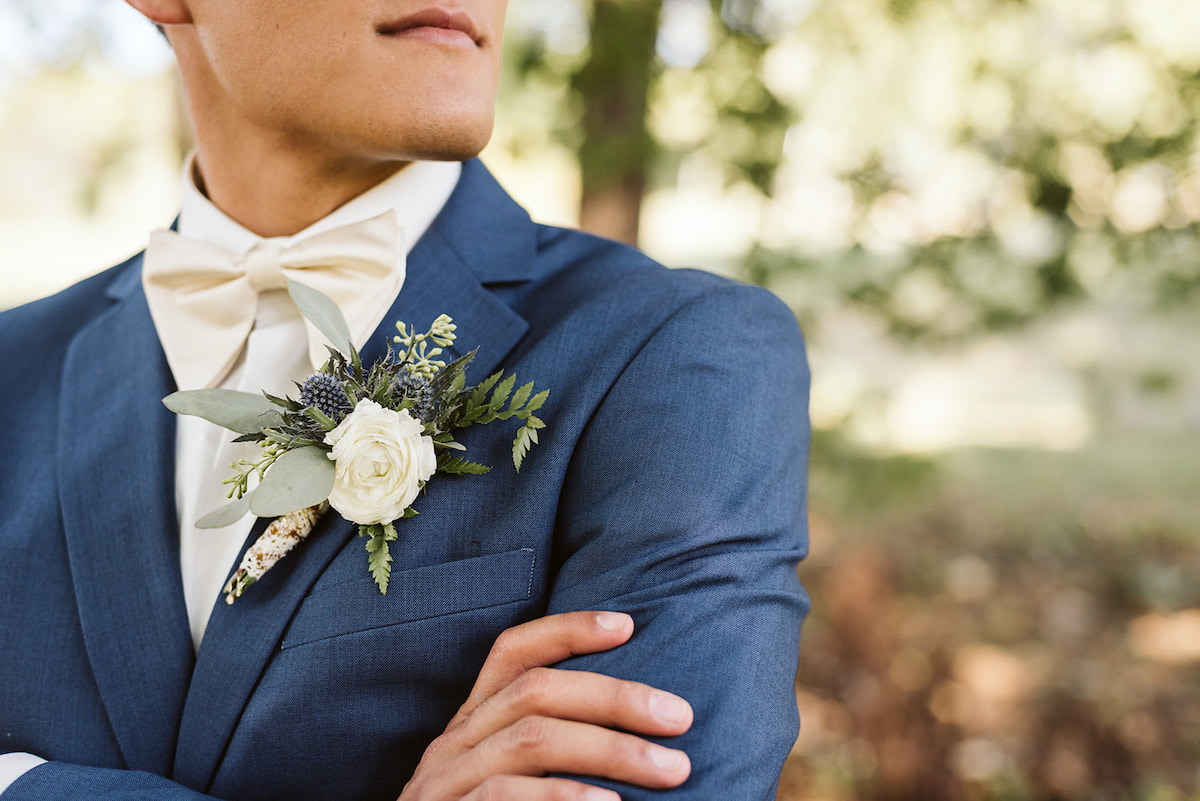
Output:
x,y
381,460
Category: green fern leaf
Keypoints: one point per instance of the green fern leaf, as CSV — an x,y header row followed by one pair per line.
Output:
x,y
459,466
536,402
480,392
518,400
500,395
379,556
525,439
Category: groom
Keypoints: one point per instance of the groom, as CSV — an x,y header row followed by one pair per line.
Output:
x,y
623,614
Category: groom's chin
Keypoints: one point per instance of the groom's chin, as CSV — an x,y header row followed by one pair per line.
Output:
x,y
460,142
444,137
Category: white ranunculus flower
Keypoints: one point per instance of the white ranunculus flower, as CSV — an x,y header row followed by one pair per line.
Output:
x,y
381,459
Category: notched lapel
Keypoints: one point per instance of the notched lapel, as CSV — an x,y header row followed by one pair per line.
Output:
x,y
439,283
116,483
480,238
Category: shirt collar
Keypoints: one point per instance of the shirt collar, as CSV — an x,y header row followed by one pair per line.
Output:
x,y
416,193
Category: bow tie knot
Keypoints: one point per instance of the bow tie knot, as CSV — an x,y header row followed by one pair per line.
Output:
x,y
204,298
263,267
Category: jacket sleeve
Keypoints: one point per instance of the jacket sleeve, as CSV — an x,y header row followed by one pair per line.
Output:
x,y
62,781
684,506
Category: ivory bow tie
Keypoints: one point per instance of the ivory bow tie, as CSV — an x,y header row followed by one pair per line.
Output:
x,y
203,298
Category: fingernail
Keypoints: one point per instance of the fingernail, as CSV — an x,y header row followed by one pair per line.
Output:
x,y
666,758
613,621
670,708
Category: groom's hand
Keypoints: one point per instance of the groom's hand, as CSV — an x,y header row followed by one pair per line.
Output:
x,y
524,720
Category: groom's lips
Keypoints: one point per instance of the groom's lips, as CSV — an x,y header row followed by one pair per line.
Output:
x,y
434,24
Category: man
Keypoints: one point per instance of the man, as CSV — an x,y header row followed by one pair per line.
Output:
x,y
667,492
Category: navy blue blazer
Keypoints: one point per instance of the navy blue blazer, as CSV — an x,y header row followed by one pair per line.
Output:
x,y
670,484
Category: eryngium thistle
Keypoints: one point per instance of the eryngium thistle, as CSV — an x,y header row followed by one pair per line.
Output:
x,y
415,387
325,393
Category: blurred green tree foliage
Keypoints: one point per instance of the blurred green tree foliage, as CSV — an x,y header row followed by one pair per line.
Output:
x,y
638,56
950,166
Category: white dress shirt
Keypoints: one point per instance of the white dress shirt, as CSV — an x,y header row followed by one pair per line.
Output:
x,y
276,354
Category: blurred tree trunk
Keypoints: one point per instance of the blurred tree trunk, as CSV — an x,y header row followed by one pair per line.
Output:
x,y
614,84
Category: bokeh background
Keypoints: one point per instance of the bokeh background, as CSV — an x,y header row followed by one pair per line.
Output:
x,y
984,213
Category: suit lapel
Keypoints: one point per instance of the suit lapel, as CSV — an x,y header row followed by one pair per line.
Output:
x,y
116,478
480,238
238,643
439,283
442,278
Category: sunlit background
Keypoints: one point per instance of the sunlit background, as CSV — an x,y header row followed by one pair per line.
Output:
x,y
984,213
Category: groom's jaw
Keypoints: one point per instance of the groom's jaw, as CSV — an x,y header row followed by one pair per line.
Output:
x,y
307,102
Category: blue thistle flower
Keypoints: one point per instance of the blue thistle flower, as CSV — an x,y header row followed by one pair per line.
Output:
x,y
325,393
415,387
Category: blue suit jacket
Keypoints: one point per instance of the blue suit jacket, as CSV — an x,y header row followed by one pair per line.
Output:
x,y
669,484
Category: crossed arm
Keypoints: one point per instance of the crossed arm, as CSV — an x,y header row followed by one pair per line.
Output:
x,y
707,571
524,720
684,507
521,721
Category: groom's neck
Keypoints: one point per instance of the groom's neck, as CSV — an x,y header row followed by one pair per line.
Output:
x,y
281,193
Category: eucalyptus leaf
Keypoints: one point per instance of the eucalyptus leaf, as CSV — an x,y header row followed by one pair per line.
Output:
x,y
299,478
243,412
322,312
226,515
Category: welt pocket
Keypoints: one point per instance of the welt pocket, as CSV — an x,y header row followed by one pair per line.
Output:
x,y
417,594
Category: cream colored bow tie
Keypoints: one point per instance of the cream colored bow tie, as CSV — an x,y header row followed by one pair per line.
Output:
x,y
203,298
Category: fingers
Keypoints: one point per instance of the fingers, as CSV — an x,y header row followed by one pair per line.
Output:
x,y
524,788
524,720
543,642
537,745
579,696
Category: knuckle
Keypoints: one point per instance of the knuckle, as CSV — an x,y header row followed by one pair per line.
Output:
x,y
530,734
534,687
562,791
643,750
438,746
630,696
504,643
493,788
631,751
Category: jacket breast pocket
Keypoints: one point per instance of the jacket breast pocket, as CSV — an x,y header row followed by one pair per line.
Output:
x,y
417,594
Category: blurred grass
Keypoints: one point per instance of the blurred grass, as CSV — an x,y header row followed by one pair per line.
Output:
x,y
1002,625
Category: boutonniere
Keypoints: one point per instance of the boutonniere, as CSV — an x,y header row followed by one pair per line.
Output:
x,y
363,440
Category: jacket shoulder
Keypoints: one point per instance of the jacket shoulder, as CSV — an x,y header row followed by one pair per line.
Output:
x,y
584,271
34,331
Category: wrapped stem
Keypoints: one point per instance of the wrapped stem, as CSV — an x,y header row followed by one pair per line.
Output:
x,y
283,534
